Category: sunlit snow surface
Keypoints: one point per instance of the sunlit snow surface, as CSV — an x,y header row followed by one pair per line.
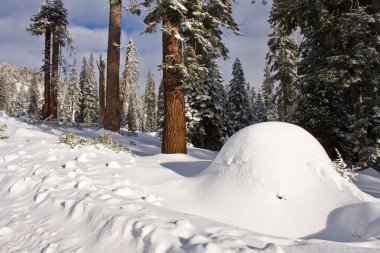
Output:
x,y
57,199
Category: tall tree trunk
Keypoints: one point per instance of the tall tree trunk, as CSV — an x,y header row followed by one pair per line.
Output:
x,y
112,118
54,77
174,132
102,90
46,105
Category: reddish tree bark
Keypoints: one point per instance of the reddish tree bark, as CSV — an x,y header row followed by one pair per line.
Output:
x,y
112,118
46,68
102,90
174,132
54,77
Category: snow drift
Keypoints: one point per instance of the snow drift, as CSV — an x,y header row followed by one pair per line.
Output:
x,y
274,178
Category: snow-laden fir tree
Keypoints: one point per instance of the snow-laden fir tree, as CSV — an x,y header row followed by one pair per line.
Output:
x,y
42,24
206,111
22,102
160,110
150,104
283,59
252,96
61,39
90,94
74,92
8,91
82,77
239,113
181,20
63,103
339,82
129,89
267,91
34,97
259,109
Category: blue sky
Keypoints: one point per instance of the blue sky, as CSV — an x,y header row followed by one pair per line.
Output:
x,y
88,26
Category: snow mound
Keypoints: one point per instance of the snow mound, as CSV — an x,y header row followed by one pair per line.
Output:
x,y
274,173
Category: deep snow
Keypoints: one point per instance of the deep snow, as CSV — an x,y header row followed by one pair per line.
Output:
x,y
91,199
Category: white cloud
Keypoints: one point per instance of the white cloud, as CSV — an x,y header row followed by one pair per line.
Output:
x,y
89,28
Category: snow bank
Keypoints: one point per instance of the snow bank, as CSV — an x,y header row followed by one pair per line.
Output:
x,y
113,202
275,178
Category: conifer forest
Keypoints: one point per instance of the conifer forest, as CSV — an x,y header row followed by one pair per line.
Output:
x,y
327,83
192,154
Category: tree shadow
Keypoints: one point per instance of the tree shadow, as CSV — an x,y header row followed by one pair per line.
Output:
x,y
187,169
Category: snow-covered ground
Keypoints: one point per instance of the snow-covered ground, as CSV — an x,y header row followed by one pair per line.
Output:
x,y
271,189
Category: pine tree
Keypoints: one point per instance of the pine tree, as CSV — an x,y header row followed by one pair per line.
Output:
x,y
90,94
260,110
61,39
42,23
74,92
252,97
339,74
34,97
238,105
150,104
129,89
212,132
8,91
160,110
185,19
82,77
269,98
283,60
63,103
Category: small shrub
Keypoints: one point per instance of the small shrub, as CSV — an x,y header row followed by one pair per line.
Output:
x,y
3,134
105,140
74,141
343,169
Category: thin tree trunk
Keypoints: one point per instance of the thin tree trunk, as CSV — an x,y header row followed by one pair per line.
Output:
x,y
102,91
112,118
46,105
54,77
174,132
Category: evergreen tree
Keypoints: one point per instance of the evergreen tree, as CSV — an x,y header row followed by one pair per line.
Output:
x,y
208,130
63,103
185,19
90,94
339,75
8,92
34,97
269,96
82,77
74,92
260,110
150,104
61,39
20,105
253,97
42,23
129,89
160,110
238,105
282,58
